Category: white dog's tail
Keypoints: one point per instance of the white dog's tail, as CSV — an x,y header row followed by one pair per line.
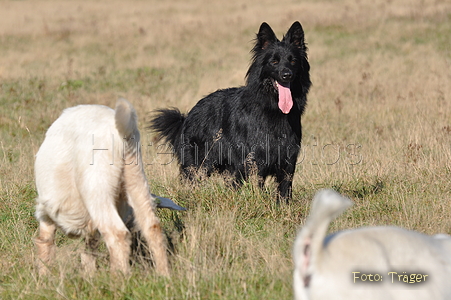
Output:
x,y
126,119
308,246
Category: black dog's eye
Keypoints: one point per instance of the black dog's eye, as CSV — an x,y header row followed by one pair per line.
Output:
x,y
293,61
274,62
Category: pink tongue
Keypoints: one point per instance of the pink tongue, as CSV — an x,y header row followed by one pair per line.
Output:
x,y
285,100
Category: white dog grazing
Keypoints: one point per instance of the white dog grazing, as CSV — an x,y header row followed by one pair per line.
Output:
x,y
89,175
367,263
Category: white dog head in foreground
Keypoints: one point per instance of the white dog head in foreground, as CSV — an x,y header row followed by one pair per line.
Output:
x,y
89,177
367,263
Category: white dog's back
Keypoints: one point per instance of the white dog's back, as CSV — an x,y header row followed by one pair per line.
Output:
x,y
94,144
367,263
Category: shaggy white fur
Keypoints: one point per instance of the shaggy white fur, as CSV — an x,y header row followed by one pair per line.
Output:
x,y
367,263
89,176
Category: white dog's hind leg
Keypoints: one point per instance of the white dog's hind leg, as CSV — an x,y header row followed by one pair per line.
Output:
x,y
89,256
118,241
100,198
144,208
45,244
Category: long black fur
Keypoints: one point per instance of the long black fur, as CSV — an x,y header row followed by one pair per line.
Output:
x,y
234,129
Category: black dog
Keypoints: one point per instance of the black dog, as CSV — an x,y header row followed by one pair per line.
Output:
x,y
254,126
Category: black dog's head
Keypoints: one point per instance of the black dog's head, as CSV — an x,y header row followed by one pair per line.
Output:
x,y
281,68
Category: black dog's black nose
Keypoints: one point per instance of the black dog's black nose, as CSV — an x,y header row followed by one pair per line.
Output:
x,y
286,75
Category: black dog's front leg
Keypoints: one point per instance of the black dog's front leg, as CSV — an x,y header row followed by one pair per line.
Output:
x,y
285,183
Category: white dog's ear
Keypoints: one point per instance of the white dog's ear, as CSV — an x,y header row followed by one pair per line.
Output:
x,y
326,206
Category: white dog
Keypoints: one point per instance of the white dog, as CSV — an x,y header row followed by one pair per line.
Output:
x,y
89,176
367,263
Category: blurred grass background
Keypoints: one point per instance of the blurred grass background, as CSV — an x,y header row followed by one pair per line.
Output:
x,y
377,128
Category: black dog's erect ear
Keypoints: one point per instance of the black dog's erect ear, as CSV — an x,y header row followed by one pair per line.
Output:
x,y
265,36
295,35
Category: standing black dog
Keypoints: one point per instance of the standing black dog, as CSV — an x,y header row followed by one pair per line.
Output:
x,y
254,126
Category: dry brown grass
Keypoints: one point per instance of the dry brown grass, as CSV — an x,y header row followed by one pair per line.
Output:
x,y
377,128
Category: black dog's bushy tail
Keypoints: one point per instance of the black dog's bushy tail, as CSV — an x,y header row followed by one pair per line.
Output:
x,y
168,123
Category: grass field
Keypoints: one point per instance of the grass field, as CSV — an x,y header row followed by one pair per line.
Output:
x,y
377,129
